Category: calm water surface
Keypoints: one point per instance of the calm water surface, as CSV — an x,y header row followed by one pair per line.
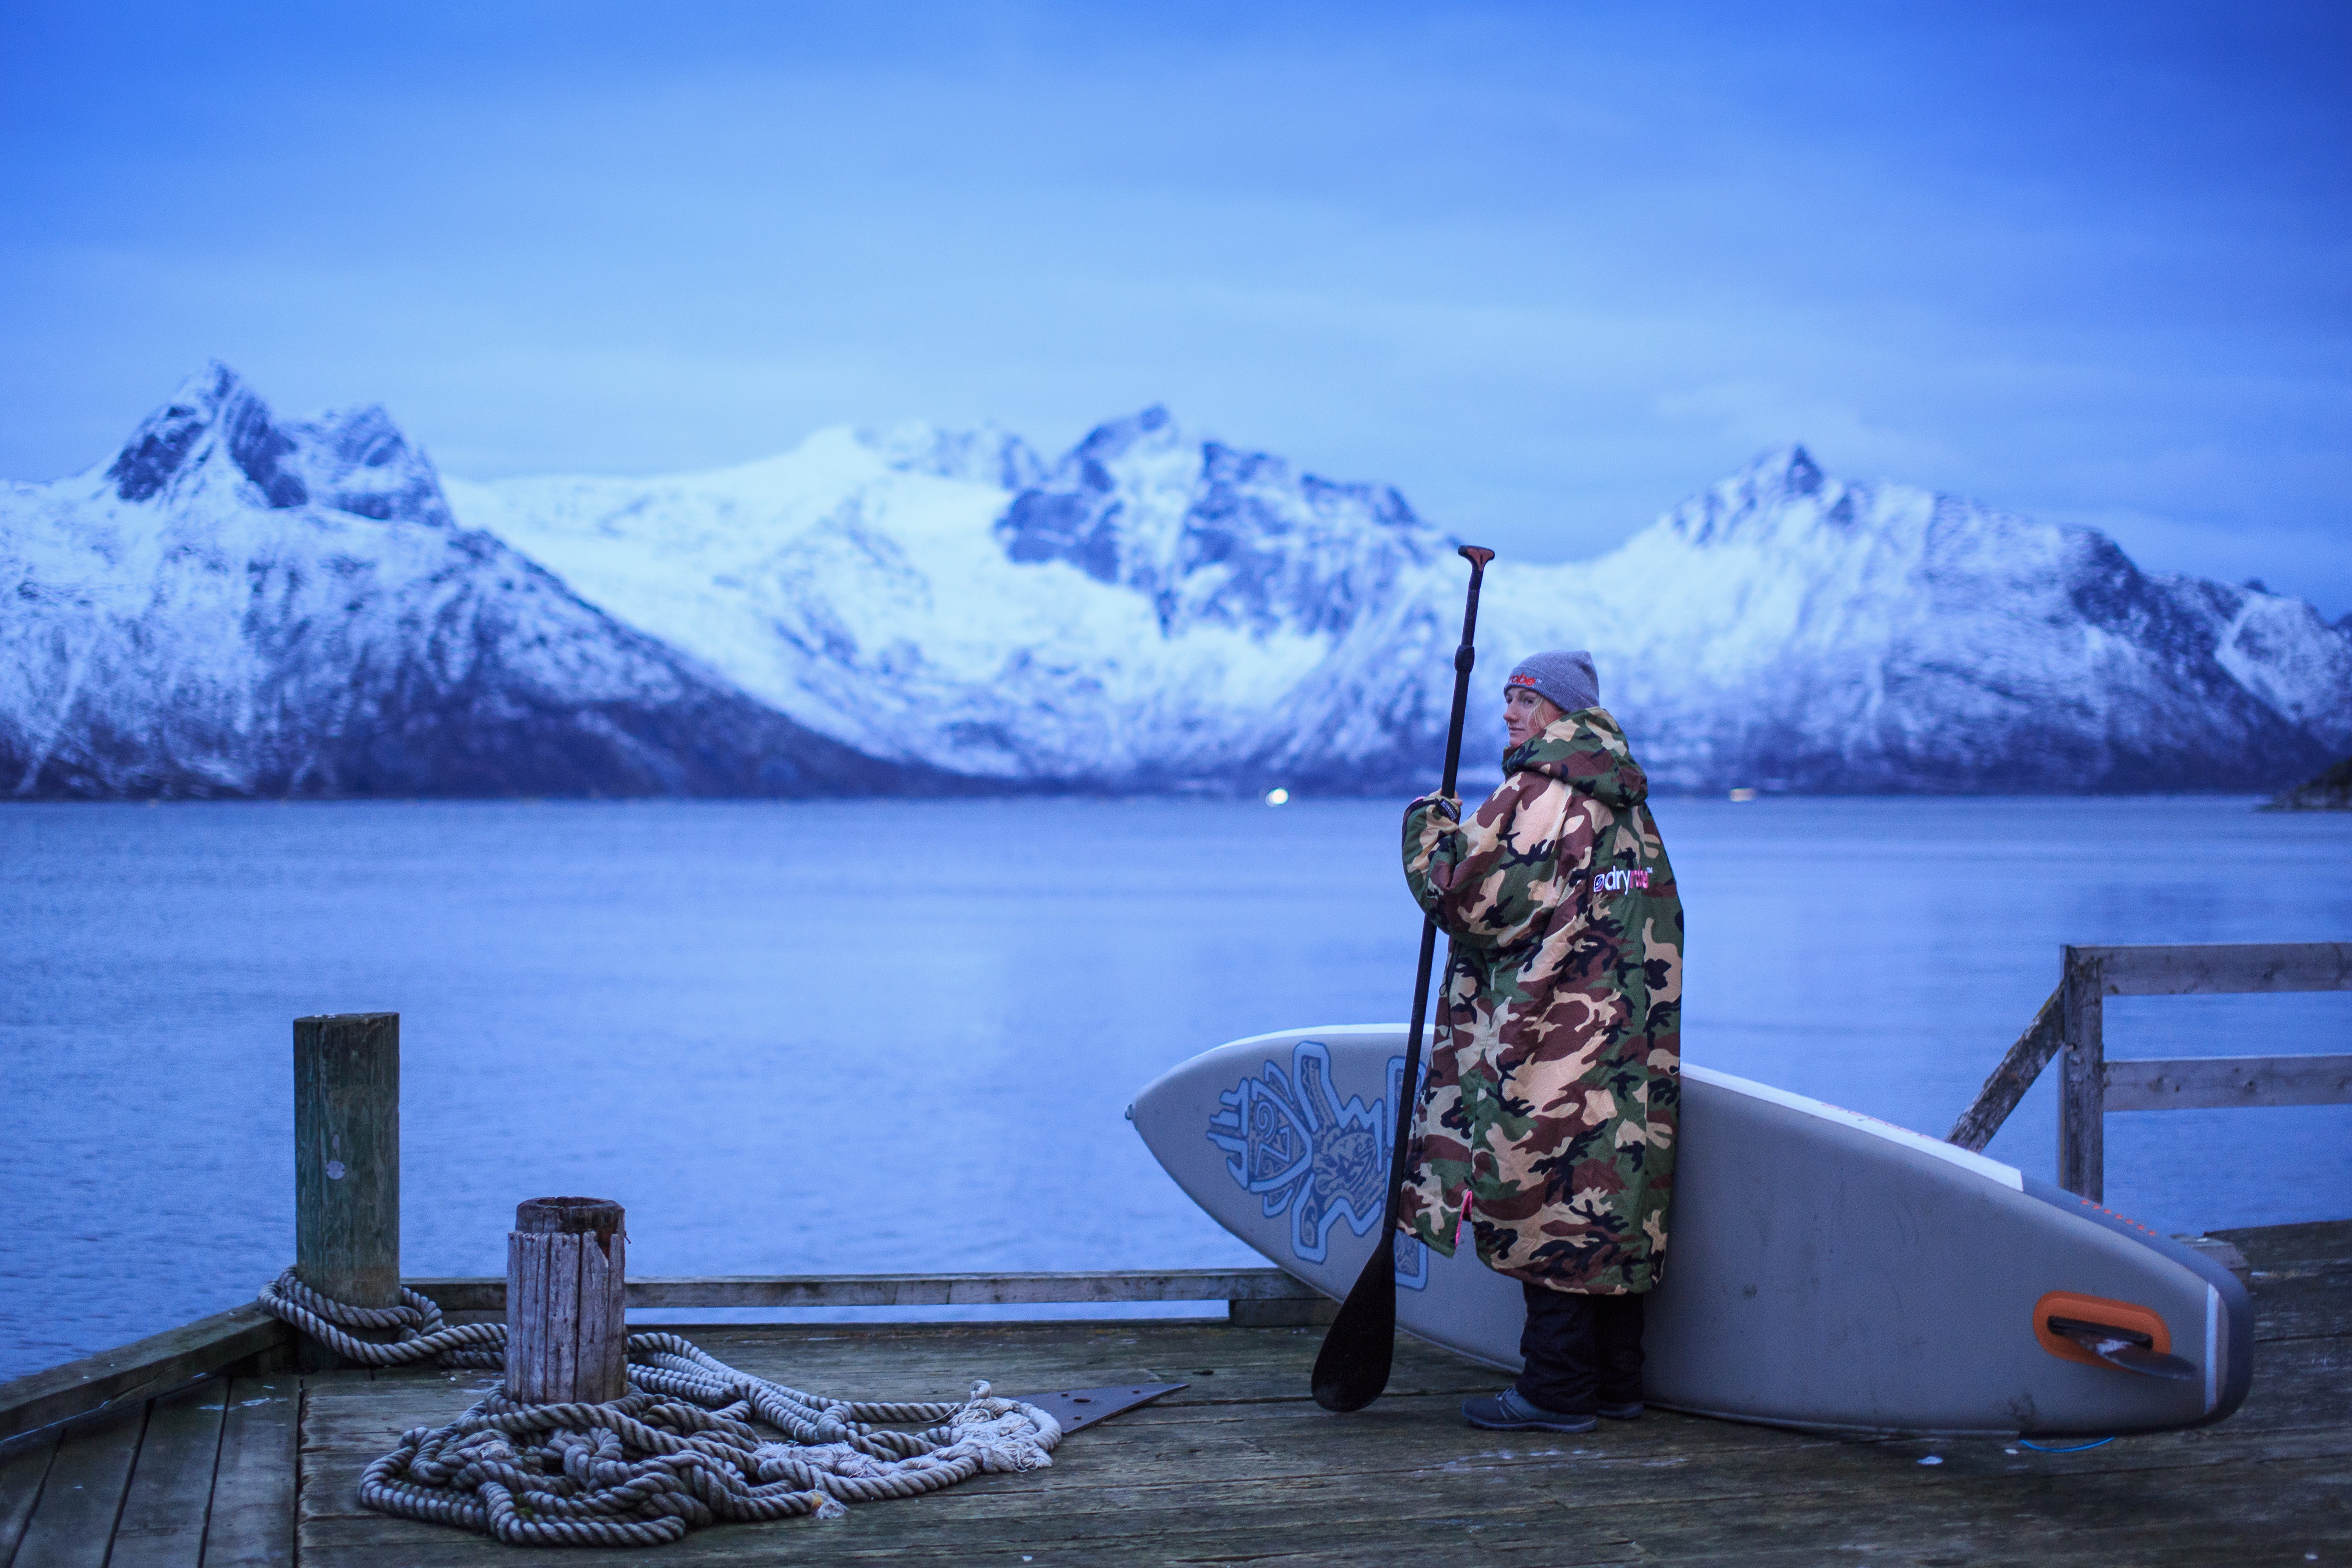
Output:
x,y
886,1036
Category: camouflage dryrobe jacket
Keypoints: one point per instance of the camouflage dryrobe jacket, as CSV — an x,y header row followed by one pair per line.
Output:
x,y
1555,1069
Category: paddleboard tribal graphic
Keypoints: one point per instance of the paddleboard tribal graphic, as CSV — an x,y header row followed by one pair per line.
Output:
x,y
1292,1142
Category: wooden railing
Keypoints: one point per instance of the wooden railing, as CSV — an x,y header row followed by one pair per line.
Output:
x,y
2069,1025
1251,1295
247,1338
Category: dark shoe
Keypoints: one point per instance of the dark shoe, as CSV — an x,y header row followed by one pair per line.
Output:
x,y
1510,1412
1628,1411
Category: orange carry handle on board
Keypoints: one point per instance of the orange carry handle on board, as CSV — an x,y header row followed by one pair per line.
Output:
x,y
2130,1322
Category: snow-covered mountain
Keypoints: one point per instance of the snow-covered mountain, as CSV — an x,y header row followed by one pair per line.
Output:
x,y
1138,613
1786,628
245,605
237,605
1154,609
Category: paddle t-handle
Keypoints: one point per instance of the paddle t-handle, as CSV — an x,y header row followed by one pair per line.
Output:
x,y
1352,1368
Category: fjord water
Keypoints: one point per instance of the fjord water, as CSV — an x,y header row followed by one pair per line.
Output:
x,y
883,1037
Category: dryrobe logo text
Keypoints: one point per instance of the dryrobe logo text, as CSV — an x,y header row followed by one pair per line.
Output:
x,y
1620,881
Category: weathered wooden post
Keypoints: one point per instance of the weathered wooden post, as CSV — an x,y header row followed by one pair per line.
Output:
x,y
2082,1082
347,1156
567,1324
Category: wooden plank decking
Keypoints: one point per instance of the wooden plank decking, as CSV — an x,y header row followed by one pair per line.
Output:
x,y
1242,1466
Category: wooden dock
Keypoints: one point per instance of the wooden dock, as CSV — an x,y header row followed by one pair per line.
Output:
x,y
1242,1466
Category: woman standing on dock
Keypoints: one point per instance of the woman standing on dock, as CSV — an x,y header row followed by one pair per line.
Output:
x,y
1549,1117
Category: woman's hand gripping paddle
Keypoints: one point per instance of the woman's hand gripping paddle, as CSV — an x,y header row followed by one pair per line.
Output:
x,y
1352,1368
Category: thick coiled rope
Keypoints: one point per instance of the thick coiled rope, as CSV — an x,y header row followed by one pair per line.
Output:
x,y
422,1336
678,1452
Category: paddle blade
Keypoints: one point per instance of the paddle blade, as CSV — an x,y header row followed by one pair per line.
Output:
x,y
1353,1367
2154,1363
2131,1352
1076,1408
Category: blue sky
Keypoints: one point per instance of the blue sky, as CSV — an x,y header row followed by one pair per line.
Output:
x,y
1548,267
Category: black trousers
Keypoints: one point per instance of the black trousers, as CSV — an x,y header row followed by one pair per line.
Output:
x,y
1581,1350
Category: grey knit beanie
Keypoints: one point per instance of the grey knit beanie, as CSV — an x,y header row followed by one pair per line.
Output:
x,y
1567,680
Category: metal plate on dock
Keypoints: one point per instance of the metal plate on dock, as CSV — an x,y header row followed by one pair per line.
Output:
x,y
1077,1407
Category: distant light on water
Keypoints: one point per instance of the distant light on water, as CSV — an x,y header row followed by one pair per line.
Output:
x,y
1277,796
1743,795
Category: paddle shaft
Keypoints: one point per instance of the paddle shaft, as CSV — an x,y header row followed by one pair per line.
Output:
x,y
1465,657
1353,1366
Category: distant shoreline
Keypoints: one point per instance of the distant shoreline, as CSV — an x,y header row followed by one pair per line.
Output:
x,y
1031,796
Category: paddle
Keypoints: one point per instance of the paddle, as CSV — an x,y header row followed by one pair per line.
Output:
x,y
1353,1367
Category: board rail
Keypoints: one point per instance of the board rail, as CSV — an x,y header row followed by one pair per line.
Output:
x,y
2070,1027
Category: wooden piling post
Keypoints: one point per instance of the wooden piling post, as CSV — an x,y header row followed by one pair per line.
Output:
x,y
567,1323
347,1156
2082,1083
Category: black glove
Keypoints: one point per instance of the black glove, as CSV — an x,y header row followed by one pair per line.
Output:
x,y
1446,808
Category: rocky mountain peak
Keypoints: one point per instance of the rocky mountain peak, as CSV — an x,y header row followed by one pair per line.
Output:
x,y
987,455
357,460
216,427
1213,535
1772,484
1789,469
212,418
1152,430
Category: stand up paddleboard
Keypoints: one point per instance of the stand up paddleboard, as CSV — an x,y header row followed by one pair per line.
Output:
x,y
1824,1271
